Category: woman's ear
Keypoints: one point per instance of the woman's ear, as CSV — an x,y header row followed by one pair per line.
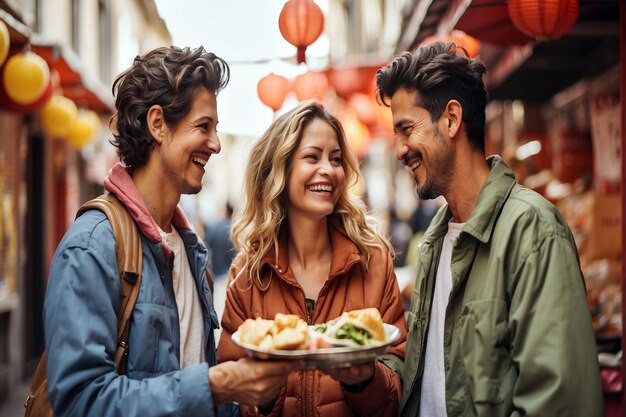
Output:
x,y
156,123
454,116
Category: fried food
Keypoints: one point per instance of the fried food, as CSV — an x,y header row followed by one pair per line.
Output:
x,y
254,331
357,329
285,332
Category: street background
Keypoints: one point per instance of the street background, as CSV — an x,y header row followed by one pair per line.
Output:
x,y
556,114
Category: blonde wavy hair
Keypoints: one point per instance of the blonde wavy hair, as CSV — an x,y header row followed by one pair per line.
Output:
x,y
261,222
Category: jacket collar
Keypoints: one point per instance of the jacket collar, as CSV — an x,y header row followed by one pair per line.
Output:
x,y
119,182
344,254
493,194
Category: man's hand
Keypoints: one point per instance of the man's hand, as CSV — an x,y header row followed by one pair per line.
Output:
x,y
354,374
248,381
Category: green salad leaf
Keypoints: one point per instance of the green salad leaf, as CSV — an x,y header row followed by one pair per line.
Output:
x,y
355,334
321,328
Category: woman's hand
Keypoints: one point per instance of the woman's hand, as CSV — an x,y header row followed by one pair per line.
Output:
x,y
354,374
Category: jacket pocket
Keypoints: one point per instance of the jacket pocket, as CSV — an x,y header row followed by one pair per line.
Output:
x,y
482,350
150,349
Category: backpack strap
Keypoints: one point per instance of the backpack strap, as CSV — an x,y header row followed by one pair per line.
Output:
x,y
129,260
129,264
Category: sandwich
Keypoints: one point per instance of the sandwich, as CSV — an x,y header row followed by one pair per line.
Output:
x,y
357,328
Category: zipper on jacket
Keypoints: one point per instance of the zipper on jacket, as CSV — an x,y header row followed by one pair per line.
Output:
x,y
309,383
308,379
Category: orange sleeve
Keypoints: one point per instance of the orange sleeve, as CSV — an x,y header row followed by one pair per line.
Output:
x,y
236,312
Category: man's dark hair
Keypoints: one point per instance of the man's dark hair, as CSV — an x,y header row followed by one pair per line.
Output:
x,y
440,72
169,77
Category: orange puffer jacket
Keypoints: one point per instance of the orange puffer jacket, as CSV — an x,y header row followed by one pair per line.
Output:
x,y
351,285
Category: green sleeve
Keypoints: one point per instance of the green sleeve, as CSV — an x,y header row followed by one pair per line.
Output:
x,y
553,345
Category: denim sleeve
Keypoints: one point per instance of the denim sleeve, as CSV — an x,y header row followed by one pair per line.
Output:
x,y
80,322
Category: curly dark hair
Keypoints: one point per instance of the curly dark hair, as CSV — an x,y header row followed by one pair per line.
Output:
x,y
440,72
169,77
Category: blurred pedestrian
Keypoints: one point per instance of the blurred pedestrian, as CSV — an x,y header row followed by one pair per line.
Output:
x,y
399,236
165,133
217,238
499,324
307,247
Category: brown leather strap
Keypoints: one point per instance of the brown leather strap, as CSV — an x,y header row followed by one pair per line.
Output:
x,y
129,264
129,260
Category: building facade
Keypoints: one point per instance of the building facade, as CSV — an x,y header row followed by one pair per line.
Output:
x,y
43,180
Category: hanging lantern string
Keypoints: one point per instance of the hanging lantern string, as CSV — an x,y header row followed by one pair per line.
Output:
x,y
289,59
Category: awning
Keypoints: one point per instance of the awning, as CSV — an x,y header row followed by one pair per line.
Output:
x,y
517,66
77,83
537,71
489,21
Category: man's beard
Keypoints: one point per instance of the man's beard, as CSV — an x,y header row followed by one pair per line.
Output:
x,y
438,183
188,189
430,190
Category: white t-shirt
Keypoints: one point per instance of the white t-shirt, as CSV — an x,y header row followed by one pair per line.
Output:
x,y
190,314
433,397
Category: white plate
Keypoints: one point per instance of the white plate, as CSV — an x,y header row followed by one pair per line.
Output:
x,y
325,357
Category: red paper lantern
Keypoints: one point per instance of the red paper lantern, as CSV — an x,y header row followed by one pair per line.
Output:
x,y
311,85
356,132
363,105
347,81
301,23
543,19
465,41
272,90
468,43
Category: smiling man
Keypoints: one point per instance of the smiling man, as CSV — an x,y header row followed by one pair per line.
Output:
x,y
165,133
499,324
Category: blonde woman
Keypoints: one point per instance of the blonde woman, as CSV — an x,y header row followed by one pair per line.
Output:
x,y
307,247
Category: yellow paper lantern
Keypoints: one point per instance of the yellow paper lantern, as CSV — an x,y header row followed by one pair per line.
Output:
x,y
5,42
84,129
26,76
58,116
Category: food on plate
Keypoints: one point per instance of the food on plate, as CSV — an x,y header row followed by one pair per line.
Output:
x,y
285,332
253,332
356,328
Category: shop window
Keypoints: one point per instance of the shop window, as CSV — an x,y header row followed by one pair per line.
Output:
x,y
76,18
105,35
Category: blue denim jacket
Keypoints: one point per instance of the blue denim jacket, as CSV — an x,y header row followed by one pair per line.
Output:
x,y
80,320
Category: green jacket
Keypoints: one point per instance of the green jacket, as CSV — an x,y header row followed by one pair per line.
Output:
x,y
518,339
